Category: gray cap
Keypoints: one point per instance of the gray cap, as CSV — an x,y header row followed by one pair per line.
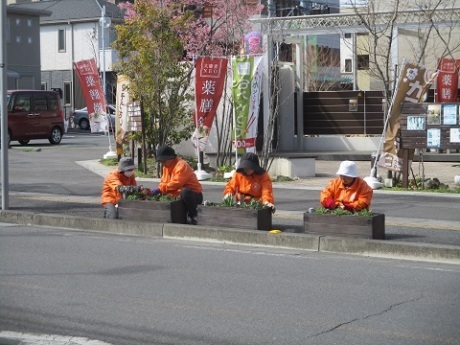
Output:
x,y
126,163
164,153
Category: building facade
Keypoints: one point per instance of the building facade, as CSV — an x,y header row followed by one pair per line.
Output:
x,y
72,32
23,48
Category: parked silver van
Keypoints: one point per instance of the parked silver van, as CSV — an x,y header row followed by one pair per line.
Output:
x,y
35,114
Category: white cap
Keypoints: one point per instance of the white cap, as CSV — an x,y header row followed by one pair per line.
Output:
x,y
348,168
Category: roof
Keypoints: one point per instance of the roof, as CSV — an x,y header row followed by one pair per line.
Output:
x,y
27,11
72,11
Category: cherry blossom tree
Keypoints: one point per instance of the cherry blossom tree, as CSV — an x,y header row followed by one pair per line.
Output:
x,y
201,28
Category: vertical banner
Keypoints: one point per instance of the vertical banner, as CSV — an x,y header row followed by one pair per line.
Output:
x,y
92,92
123,99
447,81
246,89
413,83
210,73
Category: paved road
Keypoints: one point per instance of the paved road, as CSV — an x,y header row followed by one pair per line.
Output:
x,y
136,290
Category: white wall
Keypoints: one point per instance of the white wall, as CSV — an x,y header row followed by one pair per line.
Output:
x,y
85,46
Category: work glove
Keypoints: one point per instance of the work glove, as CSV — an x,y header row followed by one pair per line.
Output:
x,y
330,203
130,189
270,205
348,207
155,191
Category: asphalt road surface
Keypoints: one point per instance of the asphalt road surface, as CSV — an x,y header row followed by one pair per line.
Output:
x,y
133,290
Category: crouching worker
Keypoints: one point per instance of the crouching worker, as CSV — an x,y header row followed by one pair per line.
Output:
x,y
348,191
250,181
179,179
116,184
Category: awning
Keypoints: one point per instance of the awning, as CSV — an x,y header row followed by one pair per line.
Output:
x,y
12,74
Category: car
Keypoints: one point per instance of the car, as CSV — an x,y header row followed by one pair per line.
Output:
x,y
35,114
81,119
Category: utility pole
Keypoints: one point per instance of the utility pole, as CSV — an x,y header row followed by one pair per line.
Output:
x,y
4,141
105,23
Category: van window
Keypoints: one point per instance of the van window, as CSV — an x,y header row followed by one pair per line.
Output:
x,y
21,103
53,102
40,102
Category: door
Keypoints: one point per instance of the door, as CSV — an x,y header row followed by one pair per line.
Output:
x,y
22,121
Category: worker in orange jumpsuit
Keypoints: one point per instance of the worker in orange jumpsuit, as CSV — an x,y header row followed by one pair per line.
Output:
x,y
348,191
250,181
111,189
179,180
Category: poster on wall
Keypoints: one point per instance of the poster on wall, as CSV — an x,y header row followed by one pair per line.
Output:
x,y
450,113
416,123
433,114
454,135
433,138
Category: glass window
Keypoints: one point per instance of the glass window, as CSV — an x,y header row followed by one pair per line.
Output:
x,y
363,62
348,66
67,93
53,102
21,103
61,40
40,102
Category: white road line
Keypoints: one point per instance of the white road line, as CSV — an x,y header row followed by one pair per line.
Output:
x,y
48,339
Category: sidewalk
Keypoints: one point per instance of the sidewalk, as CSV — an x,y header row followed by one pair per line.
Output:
x,y
325,171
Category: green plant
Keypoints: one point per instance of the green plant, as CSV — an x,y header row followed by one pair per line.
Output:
x,y
342,212
231,202
220,171
109,161
145,195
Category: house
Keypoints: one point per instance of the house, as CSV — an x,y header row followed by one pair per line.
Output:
x,y
23,47
72,32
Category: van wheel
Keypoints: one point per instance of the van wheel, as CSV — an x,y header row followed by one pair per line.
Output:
x,y
23,142
56,136
84,124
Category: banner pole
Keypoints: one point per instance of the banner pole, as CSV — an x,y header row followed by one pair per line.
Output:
x,y
372,180
200,174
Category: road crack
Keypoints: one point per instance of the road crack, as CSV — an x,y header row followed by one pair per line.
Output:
x,y
364,318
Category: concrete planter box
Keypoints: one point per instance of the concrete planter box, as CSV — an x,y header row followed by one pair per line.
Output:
x,y
234,217
372,227
152,211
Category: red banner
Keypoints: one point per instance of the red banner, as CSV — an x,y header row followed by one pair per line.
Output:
x,y
447,81
210,76
92,92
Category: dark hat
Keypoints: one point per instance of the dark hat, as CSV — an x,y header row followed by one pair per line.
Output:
x,y
164,153
126,163
250,161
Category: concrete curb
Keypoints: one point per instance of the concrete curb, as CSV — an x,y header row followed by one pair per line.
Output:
x,y
372,248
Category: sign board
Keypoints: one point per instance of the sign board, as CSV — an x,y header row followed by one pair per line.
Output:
x,y
435,125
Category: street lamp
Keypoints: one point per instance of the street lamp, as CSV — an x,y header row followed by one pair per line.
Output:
x,y
105,23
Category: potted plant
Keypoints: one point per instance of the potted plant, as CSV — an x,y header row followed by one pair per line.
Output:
x,y
229,213
338,222
145,207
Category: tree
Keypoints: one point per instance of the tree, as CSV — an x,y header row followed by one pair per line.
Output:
x,y
219,31
155,37
424,41
151,45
